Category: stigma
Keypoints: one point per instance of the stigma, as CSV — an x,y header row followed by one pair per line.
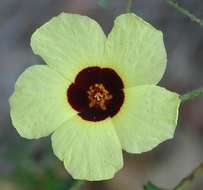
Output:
x,y
98,96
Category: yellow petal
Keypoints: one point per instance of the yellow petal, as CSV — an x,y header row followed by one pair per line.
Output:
x,y
147,118
136,50
69,43
39,104
90,150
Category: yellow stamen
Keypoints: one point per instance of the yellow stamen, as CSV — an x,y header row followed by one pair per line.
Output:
x,y
98,96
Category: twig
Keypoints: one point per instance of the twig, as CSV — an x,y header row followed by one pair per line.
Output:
x,y
128,6
185,12
187,181
191,95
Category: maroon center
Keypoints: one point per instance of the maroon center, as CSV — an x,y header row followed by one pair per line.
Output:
x,y
96,93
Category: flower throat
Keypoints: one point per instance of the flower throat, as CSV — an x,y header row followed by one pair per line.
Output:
x,y
97,93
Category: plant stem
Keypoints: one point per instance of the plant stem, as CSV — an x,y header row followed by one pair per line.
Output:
x,y
128,6
77,185
191,95
185,12
186,182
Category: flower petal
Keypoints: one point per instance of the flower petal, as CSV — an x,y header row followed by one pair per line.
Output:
x,y
39,104
90,150
148,117
69,43
137,51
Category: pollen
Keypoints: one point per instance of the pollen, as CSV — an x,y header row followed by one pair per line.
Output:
x,y
98,96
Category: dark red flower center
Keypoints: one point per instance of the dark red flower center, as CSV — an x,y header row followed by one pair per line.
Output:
x,y
97,93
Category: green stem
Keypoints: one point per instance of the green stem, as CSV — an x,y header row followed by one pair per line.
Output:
x,y
128,6
186,182
77,185
185,12
191,95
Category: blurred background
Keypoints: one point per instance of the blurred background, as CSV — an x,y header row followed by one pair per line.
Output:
x,y
31,165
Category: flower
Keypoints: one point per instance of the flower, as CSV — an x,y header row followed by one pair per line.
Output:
x,y
97,95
